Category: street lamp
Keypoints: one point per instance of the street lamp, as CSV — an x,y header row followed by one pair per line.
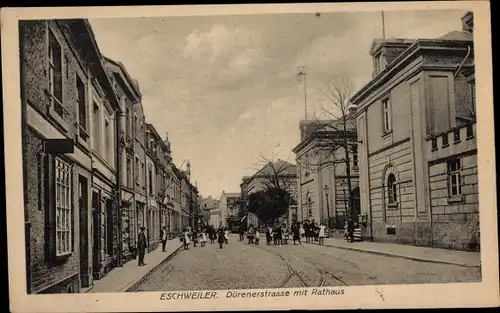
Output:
x,y
328,206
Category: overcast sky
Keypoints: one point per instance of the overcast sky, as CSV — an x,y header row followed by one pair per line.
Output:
x,y
225,87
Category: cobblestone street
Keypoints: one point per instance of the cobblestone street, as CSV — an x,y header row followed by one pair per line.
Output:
x,y
240,266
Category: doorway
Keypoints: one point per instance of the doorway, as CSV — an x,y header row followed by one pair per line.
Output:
x,y
96,203
85,270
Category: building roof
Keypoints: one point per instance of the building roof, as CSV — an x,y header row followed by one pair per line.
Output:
x,y
457,35
232,194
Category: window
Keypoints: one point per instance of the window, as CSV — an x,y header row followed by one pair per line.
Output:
x,y
107,134
137,169
150,181
454,178
143,175
391,189
63,208
128,127
129,172
82,108
55,74
473,95
355,156
97,127
386,106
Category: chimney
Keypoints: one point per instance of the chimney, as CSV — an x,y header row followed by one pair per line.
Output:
x,y
351,108
468,22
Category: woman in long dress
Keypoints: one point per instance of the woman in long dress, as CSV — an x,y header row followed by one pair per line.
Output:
x,y
301,231
226,234
257,236
321,234
187,240
296,233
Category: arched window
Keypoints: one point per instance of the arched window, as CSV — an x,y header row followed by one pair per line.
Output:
x,y
391,188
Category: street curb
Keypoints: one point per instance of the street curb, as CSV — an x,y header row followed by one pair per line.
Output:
x,y
402,256
134,285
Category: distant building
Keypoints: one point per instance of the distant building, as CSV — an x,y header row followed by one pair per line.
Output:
x,y
322,174
229,206
209,204
417,151
279,172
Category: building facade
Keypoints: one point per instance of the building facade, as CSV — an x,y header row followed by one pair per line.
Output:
x,y
417,150
323,193
61,69
128,94
209,204
229,208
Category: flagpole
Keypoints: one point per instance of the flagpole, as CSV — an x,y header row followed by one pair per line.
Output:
x,y
383,26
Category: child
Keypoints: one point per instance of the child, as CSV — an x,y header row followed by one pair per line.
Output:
x,y
257,236
226,235
203,239
321,234
186,240
269,234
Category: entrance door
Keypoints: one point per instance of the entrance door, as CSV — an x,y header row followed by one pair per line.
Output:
x,y
356,201
96,203
84,231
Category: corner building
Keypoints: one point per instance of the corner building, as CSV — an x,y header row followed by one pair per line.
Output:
x,y
417,152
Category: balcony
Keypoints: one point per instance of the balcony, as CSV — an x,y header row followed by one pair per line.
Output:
x,y
455,141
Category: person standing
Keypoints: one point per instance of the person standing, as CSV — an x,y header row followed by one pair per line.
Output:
x,y
164,236
186,240
269,235
295,232
203,238
226,234
194,237
220,238
251,234
142,244
321,234
241,232
257,236
301,231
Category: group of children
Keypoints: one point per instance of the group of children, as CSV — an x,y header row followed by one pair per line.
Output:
x,y
279,235
201,235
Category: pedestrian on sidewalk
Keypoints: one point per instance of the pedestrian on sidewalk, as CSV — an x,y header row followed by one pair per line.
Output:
x,y
277,235
194,236
164,236
284,235
350,229
301,231
314,230
269,235
142,244
186,240
321,234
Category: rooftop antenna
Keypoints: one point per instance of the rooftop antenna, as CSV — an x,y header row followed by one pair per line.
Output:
x,y
383,25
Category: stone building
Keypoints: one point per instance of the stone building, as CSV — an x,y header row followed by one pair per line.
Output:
x,y
127,92
61,70
177,214
229,207
276,173
153,212
140,170
209,204
323,192
417,150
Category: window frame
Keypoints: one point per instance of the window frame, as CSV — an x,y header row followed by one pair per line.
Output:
x,y
83,130
69,209
386,115
457,174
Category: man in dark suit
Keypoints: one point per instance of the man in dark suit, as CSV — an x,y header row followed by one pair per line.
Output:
x,y
142,244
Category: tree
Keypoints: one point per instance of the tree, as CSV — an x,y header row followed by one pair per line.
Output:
x,y
269,204
339,131
278,179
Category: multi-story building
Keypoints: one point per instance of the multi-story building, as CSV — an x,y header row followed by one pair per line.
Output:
x,y
209,204
175,191
140,170
279,174
323,193
153,213
68,234
417,148
229,208
128,94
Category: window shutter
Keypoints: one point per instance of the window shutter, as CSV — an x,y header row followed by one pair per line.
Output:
x,y
50,209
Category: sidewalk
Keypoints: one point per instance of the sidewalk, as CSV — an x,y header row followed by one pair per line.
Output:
x,y
423,254
122,279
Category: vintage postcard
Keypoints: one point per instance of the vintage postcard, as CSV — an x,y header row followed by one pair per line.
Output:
x,y
250,157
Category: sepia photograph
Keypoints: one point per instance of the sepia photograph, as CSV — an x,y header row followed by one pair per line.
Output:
x,y
250,156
